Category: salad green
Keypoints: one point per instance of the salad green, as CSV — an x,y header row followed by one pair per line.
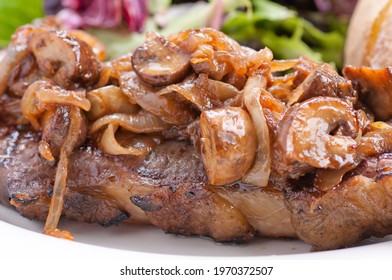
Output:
x,y
14,13
286,33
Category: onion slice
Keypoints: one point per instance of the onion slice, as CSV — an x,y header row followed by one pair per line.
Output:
x,y
193,89
109,100
142,122
57,201
43,95
259,173
110,145
147,97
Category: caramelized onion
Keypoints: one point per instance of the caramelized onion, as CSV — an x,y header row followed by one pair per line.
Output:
x,y
221,90
194,92
147,97
45,151
43,95
215,54
110,145
57,95
376,142
228,144
203,92
258,175
283,65
257,59
327,179
57,201
142,122
109,100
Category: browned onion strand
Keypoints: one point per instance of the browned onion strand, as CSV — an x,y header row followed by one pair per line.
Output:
x,y
283,65
259,173
375,142
142,122
257,59
327,179
45,151
213,53
110,145
29,108
98,47
192,90
109,100
59,96
57,201
149,99
43,95
219,89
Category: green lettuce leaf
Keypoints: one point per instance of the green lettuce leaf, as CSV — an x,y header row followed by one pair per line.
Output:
x,y
14,13
285,33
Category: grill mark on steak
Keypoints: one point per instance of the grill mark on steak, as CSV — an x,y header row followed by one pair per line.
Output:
x,y
183,210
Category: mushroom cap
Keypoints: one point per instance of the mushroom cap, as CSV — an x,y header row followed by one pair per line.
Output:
x,y
306,135
68,60
160,62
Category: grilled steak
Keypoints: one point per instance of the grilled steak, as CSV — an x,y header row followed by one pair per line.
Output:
x,y
183,143
167,188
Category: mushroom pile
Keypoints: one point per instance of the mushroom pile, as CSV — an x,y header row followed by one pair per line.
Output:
x,y
253,119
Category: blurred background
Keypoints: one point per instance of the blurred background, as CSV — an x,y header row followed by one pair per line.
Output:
x,y
312,28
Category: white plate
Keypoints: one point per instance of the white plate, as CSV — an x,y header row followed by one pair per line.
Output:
x,y
136,240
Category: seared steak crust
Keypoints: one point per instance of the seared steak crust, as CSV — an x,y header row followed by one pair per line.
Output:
x,y
358,208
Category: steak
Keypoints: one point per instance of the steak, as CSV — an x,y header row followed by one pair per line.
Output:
x,y
167,185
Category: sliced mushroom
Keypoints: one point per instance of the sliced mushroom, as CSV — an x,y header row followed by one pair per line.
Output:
x,y
160,62
323,81
97,46
16,62
374,88
305,133
22,75
12,58
66,59
228,144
